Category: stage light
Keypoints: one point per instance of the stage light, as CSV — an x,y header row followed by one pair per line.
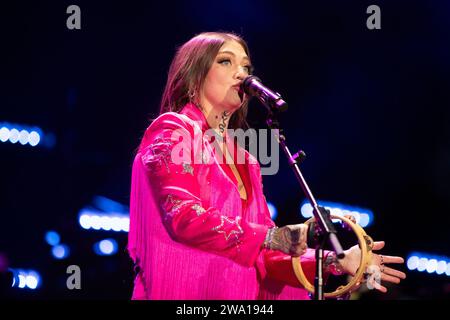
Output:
x,y
52,238
106,223
85,221
427,262
25,279
4,134
422,264
34,138
105,214
116,224
363,217
364,220
96,220
273,210
432,265
108,205
441,267
13,135
32,280
412,263
22,281
125,224
106,247
25,135
60,251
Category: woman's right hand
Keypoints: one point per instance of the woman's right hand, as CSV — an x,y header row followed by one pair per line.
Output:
x,y
290,239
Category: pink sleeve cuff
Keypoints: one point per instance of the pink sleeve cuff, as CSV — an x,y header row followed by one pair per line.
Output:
x,y
250,244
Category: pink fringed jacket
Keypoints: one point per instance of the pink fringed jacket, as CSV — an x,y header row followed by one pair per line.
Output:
x,y
191,235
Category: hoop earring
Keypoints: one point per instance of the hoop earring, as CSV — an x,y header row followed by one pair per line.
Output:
x,y
191,96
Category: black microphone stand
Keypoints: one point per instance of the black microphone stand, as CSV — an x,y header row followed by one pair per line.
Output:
x,y
324,230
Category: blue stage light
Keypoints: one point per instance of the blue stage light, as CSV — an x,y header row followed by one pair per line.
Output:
x,y
32,280
105,214
60,251
428,262
96,220
4,134
106,247
34,138
273,210
23,134
25,279
108,205
13,135
52,238
364,217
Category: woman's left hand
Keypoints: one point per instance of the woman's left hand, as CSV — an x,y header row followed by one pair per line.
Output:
x,y
350,264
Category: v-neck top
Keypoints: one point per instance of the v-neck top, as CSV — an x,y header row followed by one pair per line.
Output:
x,y
241,168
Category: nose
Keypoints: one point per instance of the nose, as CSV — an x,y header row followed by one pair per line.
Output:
x,y
241,73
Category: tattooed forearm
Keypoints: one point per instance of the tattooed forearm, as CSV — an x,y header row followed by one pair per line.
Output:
x,y
289,239
332,264
282,240
223,124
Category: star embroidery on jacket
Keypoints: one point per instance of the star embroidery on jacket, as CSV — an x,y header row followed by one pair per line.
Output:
x,y
172,206
187,168
158,153
221,227
199,209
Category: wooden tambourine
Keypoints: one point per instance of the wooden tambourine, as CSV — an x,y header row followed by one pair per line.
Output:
x,y
365,244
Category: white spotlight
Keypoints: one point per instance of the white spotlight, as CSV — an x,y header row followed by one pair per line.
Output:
x,y
422,264
4,134
412,263
60,251
23,137
31,281
34,138
432,265
441,267
13,136
106,247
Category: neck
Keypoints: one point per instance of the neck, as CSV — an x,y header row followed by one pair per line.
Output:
x,y
217,119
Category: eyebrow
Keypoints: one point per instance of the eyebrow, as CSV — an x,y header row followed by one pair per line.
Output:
x,y
232,53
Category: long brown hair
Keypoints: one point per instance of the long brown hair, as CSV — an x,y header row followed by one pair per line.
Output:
x,y
188,71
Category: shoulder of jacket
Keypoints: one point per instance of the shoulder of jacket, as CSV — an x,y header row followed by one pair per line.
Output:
x,y
173,120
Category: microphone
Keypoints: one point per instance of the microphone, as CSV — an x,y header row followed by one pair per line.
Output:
x,y
252,86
